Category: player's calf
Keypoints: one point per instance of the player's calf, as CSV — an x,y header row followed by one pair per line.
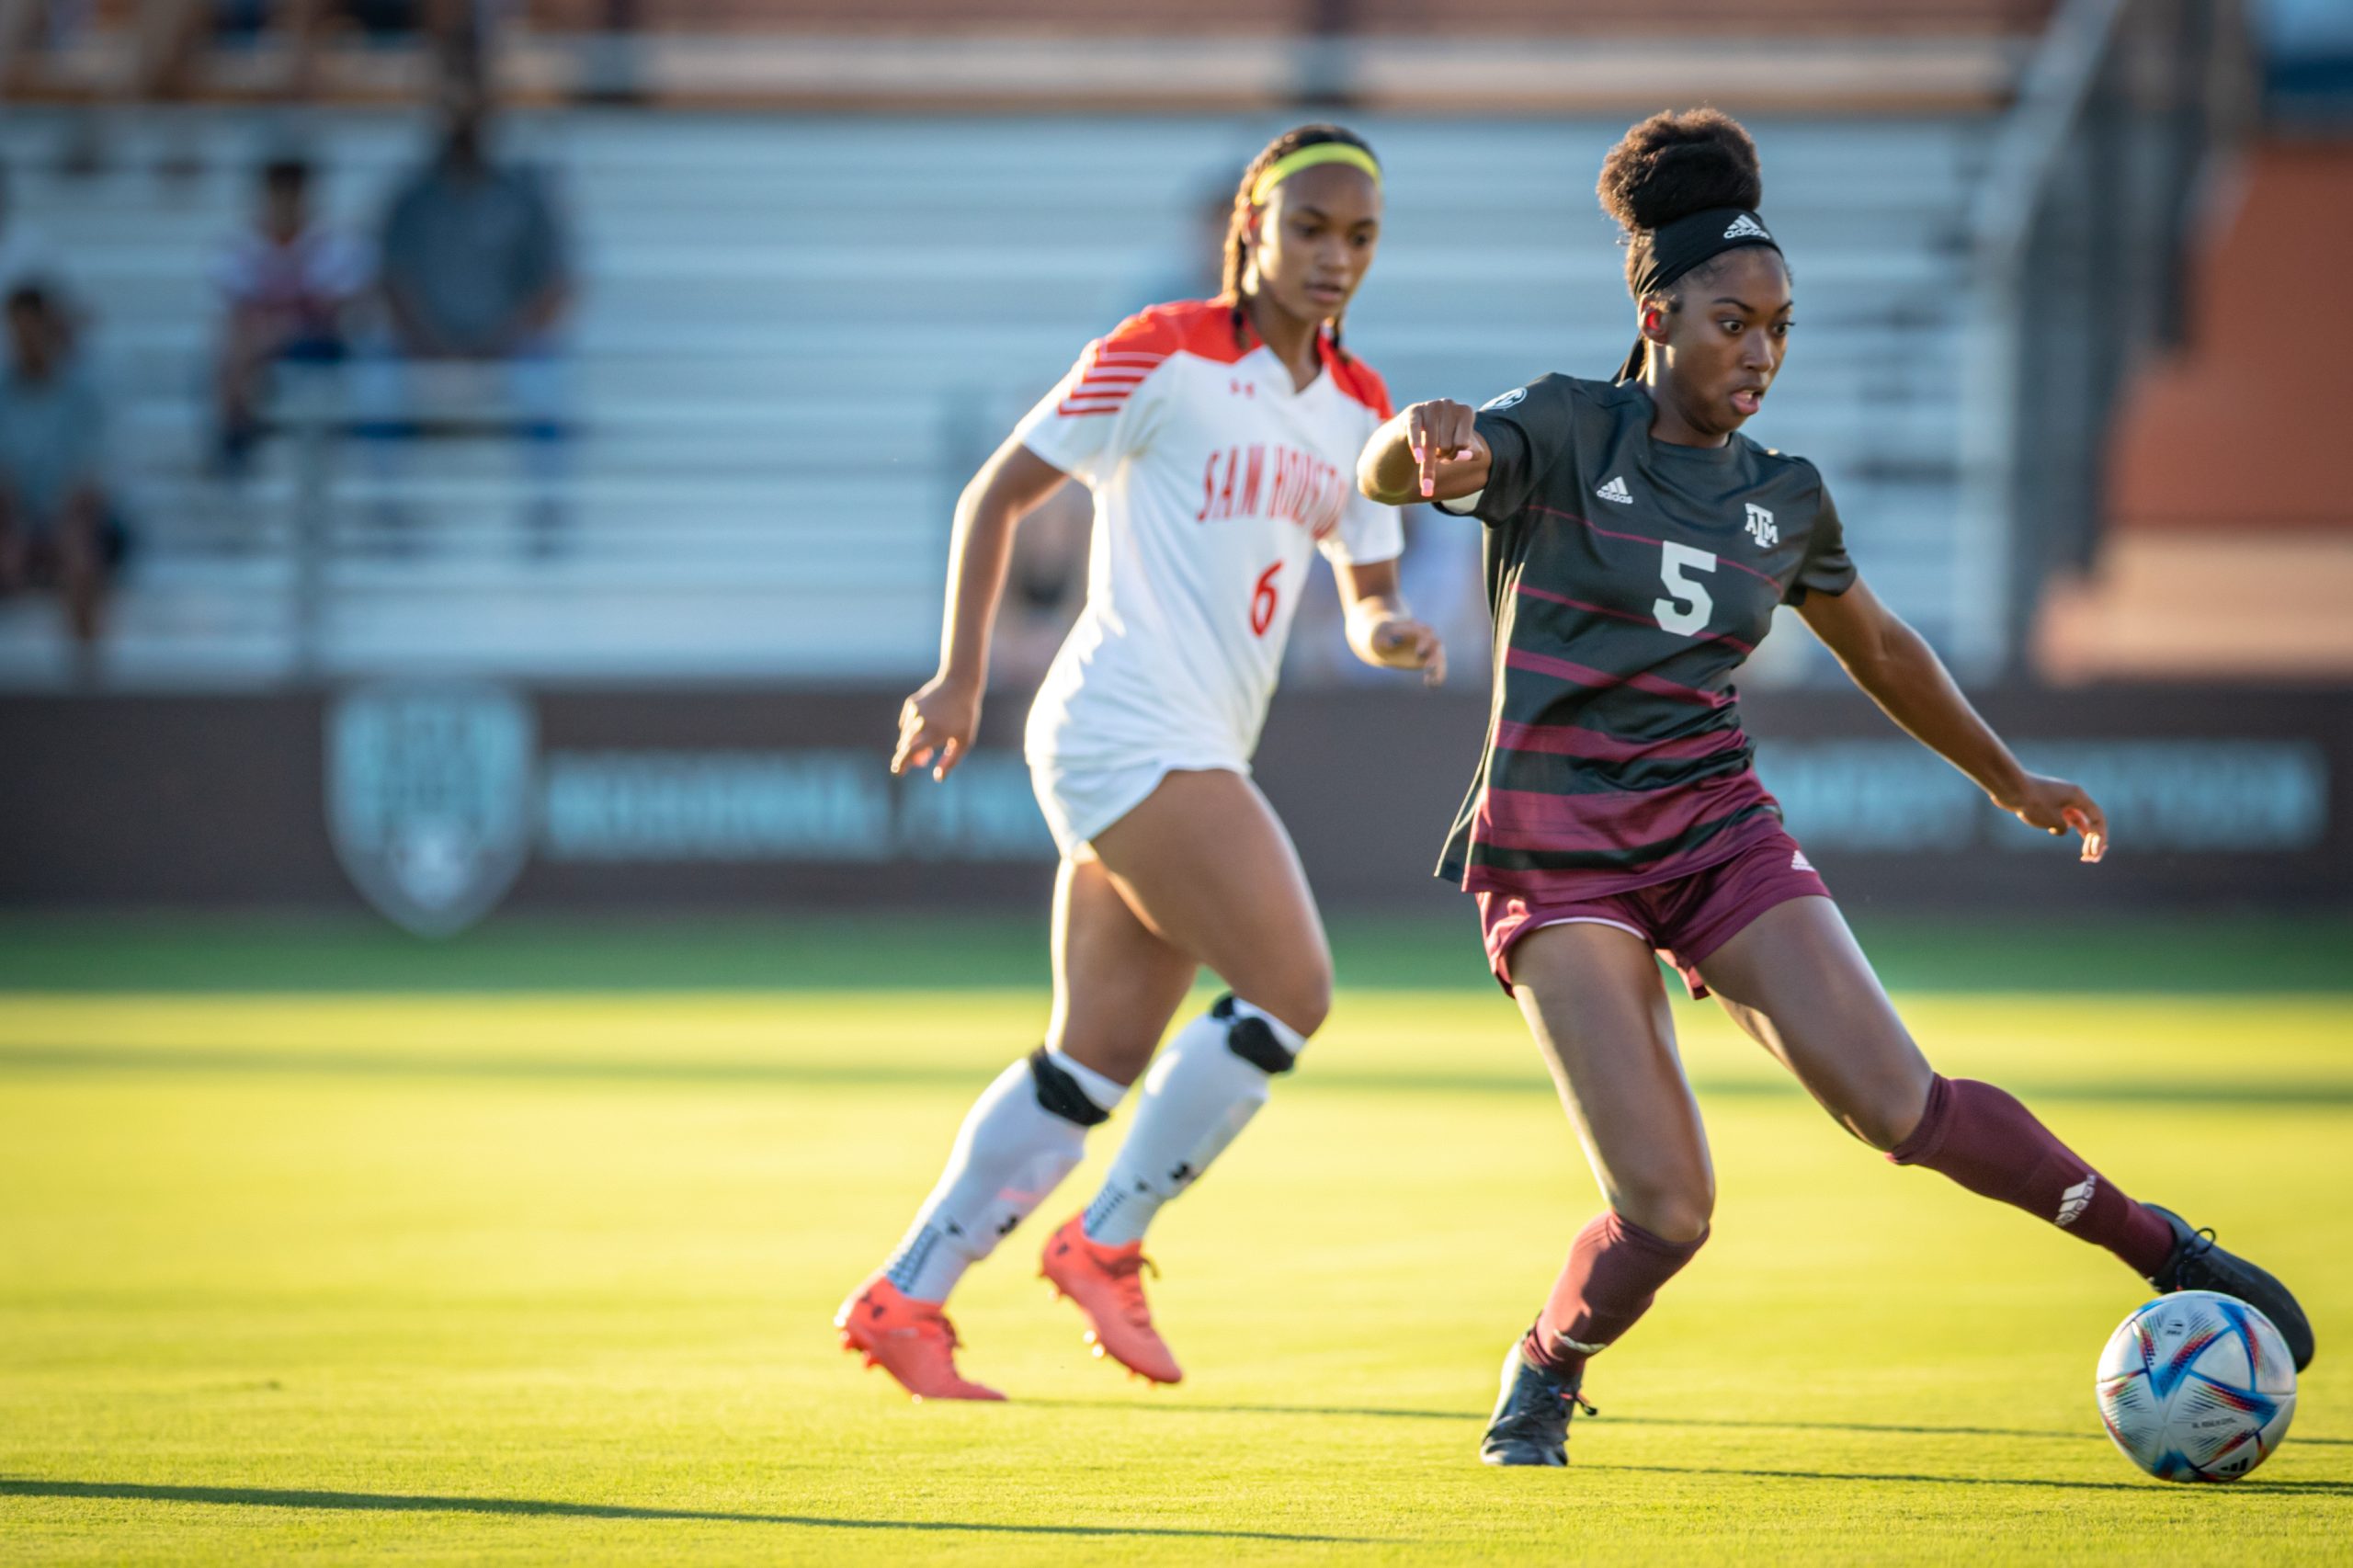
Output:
x,y
1210,1081
1984,1139
1025,1133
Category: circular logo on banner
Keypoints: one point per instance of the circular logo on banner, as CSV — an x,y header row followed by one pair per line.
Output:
x,y
1505,400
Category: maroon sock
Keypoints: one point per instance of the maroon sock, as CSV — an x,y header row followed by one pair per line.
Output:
x,y
1987,1141
1614,1270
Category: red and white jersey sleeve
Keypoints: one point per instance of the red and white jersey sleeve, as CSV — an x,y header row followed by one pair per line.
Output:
x,y
1107,406
1214,475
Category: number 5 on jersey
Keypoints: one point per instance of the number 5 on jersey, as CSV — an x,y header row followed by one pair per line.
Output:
x,y
1686,612
1262,600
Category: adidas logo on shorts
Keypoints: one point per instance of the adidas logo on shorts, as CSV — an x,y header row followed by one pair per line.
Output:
x,y
1747,228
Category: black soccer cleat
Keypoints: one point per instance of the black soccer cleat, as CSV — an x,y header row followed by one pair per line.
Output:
x,y
2197,1264
1530,1425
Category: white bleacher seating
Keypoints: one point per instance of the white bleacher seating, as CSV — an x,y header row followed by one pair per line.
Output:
x,y
798,335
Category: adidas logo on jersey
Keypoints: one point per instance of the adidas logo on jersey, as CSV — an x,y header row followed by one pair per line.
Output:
x,y
1747,228
1798,862
2077,1198
1761,528
1615,491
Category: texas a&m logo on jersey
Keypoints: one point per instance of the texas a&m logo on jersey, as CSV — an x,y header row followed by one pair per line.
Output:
x,y
1761,529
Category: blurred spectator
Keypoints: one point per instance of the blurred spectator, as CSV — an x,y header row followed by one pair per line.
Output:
x,y
473,265
24,254
26,257
476,276
55,529
288,286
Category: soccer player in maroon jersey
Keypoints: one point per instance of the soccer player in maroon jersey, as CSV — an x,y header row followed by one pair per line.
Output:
x,y
1636,546
1218,437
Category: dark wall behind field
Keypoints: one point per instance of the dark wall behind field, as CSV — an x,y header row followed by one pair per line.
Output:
x,y
444,800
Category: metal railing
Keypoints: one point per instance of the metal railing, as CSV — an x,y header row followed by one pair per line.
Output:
x,y
2079,240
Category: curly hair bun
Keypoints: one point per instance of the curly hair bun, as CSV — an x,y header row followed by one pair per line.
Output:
x,y
1678,162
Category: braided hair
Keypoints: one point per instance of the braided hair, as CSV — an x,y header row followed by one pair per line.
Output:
x,y
1237,228
1673,165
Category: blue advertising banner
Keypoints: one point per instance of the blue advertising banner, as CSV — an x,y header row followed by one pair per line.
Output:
x,y
438,802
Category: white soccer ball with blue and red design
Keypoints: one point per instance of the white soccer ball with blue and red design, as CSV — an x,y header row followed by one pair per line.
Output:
x,y
2196,1386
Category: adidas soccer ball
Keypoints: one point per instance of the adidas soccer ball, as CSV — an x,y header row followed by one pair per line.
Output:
x,y
2196,1386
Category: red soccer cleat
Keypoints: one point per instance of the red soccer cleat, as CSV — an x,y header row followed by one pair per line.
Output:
x,y
1107,1282
911,1340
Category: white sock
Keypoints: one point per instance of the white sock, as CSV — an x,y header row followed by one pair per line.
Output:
x,y
1010,1154
1197,1099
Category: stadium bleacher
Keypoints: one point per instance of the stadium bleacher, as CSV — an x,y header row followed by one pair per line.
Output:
x,y
798,335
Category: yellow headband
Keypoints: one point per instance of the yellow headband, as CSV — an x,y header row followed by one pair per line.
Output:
x,y
1289,164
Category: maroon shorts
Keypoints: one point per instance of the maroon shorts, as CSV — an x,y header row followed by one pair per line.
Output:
x,y
1685,919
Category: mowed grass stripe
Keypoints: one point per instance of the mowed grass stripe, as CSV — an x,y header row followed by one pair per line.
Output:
x,y
2286,1096
2283,1051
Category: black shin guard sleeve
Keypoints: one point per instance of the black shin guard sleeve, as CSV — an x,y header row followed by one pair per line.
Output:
x,y
1059,1093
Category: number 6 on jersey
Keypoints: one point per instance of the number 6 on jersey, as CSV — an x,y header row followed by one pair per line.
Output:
x,y
1262,600
1689,610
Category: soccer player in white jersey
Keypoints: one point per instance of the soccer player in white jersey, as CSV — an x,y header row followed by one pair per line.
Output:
x,y
1218,437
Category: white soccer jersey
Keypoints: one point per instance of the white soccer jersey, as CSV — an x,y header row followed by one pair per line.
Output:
x,y
1213,478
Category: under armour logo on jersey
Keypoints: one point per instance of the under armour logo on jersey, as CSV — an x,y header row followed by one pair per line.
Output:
x,y
2077,1198
1240,388
1503,400
1615,491
1761,528
1747,228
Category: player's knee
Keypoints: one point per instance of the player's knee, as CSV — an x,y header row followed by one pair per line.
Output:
x,y
1886,1116
1884,1131
1301,1000
1683,1221
1118,1053
1676,1210
1312,1005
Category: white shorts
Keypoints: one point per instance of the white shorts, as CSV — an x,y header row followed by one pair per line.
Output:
x,y
1080,799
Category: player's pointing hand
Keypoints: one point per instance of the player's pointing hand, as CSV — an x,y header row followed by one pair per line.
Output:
x,y
936,722
1439,432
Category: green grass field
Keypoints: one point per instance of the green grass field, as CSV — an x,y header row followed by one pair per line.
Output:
x,y
306,1256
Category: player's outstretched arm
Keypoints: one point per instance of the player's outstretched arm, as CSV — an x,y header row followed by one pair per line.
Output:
x,y
1427,451
1382,627
1895,666
936,723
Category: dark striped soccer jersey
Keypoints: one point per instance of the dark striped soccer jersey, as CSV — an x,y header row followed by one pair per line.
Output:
x,y
1629,579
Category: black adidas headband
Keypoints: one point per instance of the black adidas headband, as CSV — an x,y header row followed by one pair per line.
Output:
x,y
1692,240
